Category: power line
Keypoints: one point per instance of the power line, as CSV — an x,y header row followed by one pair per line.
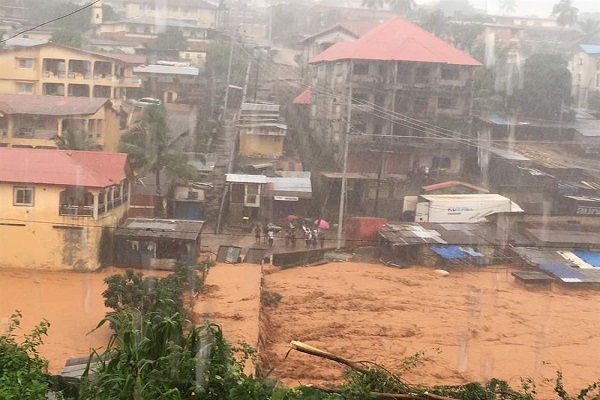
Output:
x,y
51,21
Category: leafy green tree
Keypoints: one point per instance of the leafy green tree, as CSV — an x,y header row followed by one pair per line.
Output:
x,y
546,87
67,37
435,22
171,39
152,150
508,6
72,140
399,6
23,372
455,8
565,13
109,13
590,31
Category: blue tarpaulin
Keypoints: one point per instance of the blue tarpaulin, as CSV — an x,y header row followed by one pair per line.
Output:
x,y
471,252
590,257
450,252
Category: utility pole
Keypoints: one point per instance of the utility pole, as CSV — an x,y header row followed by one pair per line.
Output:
x,y
256,77
344,169
379,173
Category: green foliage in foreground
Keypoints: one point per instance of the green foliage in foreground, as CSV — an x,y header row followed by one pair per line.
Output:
x,y
23,372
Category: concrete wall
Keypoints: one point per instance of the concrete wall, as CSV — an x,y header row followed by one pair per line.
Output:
x,y
37,237
264,145
204,16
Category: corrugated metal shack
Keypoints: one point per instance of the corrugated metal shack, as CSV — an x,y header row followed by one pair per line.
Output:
x,y
439,244
157,243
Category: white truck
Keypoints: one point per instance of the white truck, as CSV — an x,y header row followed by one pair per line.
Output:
x,y
458,208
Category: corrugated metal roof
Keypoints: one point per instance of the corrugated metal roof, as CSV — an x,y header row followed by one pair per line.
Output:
x,y
590,48
243,178
166,70
448,184
291,184
431,233
160,228
397,40
508,154
355,28
303,98
62,167
49,105
260,107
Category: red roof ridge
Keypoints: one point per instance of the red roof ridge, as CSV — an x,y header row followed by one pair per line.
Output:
x,y
397,40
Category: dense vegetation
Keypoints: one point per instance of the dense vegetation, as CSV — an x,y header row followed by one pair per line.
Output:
x,y
156,352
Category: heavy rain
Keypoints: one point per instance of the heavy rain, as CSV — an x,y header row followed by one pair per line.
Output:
x,y
300,199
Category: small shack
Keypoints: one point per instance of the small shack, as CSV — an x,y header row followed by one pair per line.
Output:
x,y
157,243
433,244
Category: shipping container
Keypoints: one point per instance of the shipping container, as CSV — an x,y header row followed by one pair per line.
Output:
x,y
462,208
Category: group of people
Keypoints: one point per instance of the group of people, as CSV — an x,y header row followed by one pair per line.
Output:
x,y
312,237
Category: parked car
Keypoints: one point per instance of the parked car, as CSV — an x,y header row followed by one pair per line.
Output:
x,y
146,101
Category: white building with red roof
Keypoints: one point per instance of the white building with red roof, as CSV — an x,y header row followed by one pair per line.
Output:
x,y
411,96
58,206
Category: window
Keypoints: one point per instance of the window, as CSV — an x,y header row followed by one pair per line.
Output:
x,y
450,73
25,62
360,69
422,75
420,105
23,196
24,87
440,163
445,103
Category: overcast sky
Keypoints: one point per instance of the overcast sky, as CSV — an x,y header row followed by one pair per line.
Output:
x,y
541,8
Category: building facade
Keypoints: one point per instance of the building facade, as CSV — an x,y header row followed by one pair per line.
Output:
x,y
57,207
585,72
53,70
404,96
197,12
33,121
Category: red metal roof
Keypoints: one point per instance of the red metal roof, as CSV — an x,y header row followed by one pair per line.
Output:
x,y
92,169
443,185
397,40
49,105
303,98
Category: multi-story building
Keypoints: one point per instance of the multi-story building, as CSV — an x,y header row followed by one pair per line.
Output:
x,y
196,12
410,108
585,72
33,121
57,207
55,70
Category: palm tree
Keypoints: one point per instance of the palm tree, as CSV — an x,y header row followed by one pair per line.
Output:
x,y
508,6
565,13
151,150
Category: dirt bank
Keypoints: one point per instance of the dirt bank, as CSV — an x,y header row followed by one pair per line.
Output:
x,y
472,326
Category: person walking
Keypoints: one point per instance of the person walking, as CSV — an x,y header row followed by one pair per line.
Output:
x,y
257,233
287,236
271,237
293,237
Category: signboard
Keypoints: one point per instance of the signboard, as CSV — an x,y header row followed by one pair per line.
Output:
x,y
286,198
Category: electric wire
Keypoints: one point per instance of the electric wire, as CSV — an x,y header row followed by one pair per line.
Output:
x,y
50,21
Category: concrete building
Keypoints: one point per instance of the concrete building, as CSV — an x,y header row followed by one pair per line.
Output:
x,y
410,105
147,28
56,207
345,32
35,121
55,70
261,132
585,72
196,12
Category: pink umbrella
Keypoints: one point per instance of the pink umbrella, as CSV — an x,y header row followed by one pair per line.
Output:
x,y
321,223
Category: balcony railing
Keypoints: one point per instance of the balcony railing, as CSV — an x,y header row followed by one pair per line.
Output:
x,y
76,211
